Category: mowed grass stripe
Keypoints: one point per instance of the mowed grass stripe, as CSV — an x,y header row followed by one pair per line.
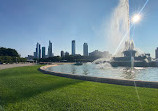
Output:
x,y
25,88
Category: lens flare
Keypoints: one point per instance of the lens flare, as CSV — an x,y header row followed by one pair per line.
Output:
x,y
136,18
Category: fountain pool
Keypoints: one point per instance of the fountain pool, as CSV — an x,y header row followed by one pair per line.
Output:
x,y
106,71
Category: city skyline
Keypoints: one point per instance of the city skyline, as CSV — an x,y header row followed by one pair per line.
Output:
x,y
23,24
49,53
37,54
94,54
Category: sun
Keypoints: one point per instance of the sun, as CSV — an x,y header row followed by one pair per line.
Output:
x,y
136,18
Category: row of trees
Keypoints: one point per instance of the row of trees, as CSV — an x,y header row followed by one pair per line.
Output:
x,y
9,59
8,55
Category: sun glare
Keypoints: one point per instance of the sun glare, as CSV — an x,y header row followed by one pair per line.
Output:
x,y
136,18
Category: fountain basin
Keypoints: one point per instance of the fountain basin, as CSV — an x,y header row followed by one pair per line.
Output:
x,y
118,81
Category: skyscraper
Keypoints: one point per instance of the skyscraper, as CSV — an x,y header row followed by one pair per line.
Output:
x,y
66,54
43,52
85,49
156,53
73,47
35,55
62,54
38,51
50,50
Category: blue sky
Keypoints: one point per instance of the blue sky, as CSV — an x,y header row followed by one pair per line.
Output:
x,y
23,23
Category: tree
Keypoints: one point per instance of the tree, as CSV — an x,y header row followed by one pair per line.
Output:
x,y
8,52
8,55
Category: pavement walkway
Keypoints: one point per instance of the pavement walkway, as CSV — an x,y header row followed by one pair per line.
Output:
x,y
6,66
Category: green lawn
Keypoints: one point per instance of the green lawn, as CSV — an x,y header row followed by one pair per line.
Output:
x,y
27,89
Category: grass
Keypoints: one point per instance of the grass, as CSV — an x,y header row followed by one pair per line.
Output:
x,y
27,89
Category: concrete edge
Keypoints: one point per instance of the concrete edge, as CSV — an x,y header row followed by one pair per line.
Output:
x,y
124,82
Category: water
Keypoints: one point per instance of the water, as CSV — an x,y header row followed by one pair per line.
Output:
x,y
105,70
119,27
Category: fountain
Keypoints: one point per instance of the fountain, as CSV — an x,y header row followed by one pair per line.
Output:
x,y
119,27
130,59
126,55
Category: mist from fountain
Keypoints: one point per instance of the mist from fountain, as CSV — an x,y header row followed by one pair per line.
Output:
x,y
119,26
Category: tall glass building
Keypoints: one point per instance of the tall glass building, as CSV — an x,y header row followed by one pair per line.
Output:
x,y
50,54
62,54
85,49
156,53
73,47
38,51
43,52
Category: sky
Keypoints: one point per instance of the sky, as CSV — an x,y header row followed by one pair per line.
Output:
x,y
23,23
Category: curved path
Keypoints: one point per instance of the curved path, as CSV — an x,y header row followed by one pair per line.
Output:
x,y
6,66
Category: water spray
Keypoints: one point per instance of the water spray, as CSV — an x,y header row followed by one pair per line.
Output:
x,y
136,18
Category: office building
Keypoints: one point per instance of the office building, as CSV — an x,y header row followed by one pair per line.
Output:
x,y
62,54
73,47
99,54
43,52
38,51
50,54
85,49
66,54
29,57
34,54
156,53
